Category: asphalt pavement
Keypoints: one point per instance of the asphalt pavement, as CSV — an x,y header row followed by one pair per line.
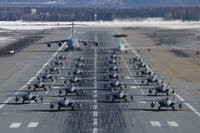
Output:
x,y
99,115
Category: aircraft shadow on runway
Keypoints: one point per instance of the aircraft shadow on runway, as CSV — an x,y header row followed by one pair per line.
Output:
x,y
42,51
54,110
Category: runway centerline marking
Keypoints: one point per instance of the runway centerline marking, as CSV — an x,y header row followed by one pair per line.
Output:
x,y
32,124
178,96
95,95
95,130
95,113
95,107
95,91
34,77
95,121
15,125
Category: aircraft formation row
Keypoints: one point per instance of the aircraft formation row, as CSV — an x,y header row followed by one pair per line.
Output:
x,y
62,81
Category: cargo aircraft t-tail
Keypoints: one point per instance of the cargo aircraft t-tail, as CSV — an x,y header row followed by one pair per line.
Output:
x,y
70,44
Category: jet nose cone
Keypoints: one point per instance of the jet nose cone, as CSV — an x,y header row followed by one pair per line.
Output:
x,y
169,102
121,94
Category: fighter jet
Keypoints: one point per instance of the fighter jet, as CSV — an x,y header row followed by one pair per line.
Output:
x,y
80,65
166,103
76,64
36,85
52,70
113,83
119,95
67,103
61,57
135,59
69,89
111,61
46,77
146,71
26,96
77,60
72,78
78,71
151,79
161,88
139,65
81,59
57,63
113,75
115,68
114,56
112,68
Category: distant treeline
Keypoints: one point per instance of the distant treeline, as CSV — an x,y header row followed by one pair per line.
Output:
x,y
54,13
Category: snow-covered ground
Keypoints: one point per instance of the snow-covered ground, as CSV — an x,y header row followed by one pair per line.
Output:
x,y
5,41
158,22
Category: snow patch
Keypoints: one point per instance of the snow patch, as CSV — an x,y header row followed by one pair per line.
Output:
x,y
150,22
4,39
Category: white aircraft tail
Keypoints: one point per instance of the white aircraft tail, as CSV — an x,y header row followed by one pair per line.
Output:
x,y
72,29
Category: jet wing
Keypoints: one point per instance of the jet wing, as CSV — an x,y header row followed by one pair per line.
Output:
x,y
77,87
52,101
103,82
18,94
82,101
70,100
66,78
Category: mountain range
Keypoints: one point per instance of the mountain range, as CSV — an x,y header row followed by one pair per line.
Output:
x,y
108,3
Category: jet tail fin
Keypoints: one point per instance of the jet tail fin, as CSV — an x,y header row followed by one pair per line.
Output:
x,y
72,29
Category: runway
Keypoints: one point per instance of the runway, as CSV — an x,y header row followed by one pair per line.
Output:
x,y
100,115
